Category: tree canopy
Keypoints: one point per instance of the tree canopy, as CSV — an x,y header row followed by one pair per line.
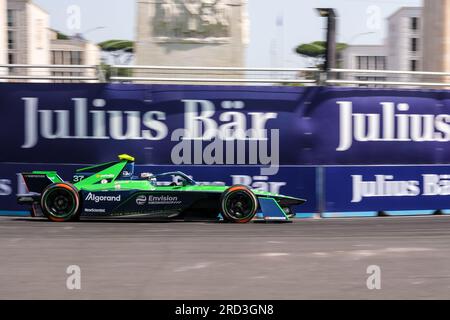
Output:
x,y
317,49
117,45
61,36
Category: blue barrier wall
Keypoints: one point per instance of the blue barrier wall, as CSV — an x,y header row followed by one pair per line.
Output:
x,y
387,188
319,135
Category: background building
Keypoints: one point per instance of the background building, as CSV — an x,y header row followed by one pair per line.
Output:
x,y
402,49
3,33
436,32
191,33
73,51
404,42
364,57
3,38
30,41
28,37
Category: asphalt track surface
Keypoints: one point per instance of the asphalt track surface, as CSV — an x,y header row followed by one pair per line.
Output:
x,y
309,259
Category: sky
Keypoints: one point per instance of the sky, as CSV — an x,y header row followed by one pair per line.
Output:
x,y
276,26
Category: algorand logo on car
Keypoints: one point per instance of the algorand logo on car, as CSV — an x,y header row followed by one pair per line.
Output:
x,y
97,199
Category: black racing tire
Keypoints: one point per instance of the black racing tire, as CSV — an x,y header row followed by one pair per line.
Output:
x,y
60,202
239,204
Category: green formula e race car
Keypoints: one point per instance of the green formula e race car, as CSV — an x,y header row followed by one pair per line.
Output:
x,y
110,190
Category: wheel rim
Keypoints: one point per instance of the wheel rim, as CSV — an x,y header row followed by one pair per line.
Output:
x,y
60,202
239,205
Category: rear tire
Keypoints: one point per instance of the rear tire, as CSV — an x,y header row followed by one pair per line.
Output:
x,y
60,202
239,204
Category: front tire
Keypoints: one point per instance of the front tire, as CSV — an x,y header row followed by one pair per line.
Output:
x,y
239,204
60,202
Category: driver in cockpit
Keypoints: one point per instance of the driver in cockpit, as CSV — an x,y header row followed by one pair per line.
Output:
x,y
149,176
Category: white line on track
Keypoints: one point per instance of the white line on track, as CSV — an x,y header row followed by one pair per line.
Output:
x,y
275,254
197,266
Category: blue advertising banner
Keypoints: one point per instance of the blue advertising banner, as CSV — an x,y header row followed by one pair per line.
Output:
x,y
269,135
216,125
385,188
294,181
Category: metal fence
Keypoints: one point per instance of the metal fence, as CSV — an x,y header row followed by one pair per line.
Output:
x,y
280,76
214,75
388,78
224,75
50,73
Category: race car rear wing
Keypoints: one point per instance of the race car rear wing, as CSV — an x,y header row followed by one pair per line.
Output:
x,y
37,181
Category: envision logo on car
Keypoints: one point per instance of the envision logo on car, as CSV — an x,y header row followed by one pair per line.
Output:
x,y
97,199
164,199
141,200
